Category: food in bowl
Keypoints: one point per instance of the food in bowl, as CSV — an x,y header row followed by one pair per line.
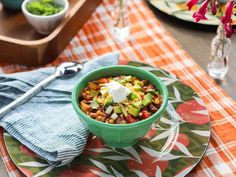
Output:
x,y
121,99
40,17
119,135
44,7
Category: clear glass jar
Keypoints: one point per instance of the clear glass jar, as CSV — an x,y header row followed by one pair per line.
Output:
x,y
220,48
121,26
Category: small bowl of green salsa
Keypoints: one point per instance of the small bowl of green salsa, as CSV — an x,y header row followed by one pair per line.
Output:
x,y
45,15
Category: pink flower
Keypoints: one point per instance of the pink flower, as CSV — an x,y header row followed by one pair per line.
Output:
x,y
226,20
213,7
200,14
228,29
228,13
191,3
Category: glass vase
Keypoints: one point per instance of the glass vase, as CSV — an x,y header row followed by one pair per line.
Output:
x,y
121,26
220,48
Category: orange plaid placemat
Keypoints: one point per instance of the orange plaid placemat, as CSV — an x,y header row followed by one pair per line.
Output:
x,y
150,43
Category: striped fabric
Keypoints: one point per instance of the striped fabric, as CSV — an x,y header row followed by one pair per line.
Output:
x,y
149,42
47,124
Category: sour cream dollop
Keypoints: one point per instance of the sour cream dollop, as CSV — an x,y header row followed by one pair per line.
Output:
x,y
118,92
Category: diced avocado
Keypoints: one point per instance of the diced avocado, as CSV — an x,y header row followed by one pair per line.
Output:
x,y
147,99
133,96
133,111
140,83
152,91
122,82
94,104
138,88
123,109
117,109
125,80
128,78
94,93
108,100
137,104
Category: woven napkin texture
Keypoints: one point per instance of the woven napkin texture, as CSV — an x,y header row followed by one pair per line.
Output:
x,y
47,123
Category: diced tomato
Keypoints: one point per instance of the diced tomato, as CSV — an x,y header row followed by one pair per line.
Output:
x,y
145,88
145,114
130,119
103,80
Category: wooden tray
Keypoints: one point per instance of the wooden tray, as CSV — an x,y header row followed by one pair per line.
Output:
x,y
21,44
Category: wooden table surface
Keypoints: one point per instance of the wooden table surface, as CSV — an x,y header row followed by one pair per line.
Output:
x,y
196,40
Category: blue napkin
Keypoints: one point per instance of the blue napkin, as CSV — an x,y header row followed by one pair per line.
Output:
x,y
47,123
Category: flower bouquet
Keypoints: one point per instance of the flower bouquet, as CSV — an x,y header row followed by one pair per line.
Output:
x,y
220,46
215,7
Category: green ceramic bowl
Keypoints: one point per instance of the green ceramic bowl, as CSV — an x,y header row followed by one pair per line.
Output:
x,y
12,4
119,135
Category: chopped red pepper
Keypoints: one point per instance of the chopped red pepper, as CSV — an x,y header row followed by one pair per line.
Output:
x,y
130,119
145,114
103,80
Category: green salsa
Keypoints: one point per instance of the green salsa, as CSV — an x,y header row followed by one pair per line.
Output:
x,y
43,7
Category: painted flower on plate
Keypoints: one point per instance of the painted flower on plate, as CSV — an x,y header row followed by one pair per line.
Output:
x,y
148,165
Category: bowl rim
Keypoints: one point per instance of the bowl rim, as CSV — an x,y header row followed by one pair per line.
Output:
x,y
148,120
24,9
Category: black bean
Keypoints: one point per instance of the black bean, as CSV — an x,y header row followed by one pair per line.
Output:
x,y
152,108
93,110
